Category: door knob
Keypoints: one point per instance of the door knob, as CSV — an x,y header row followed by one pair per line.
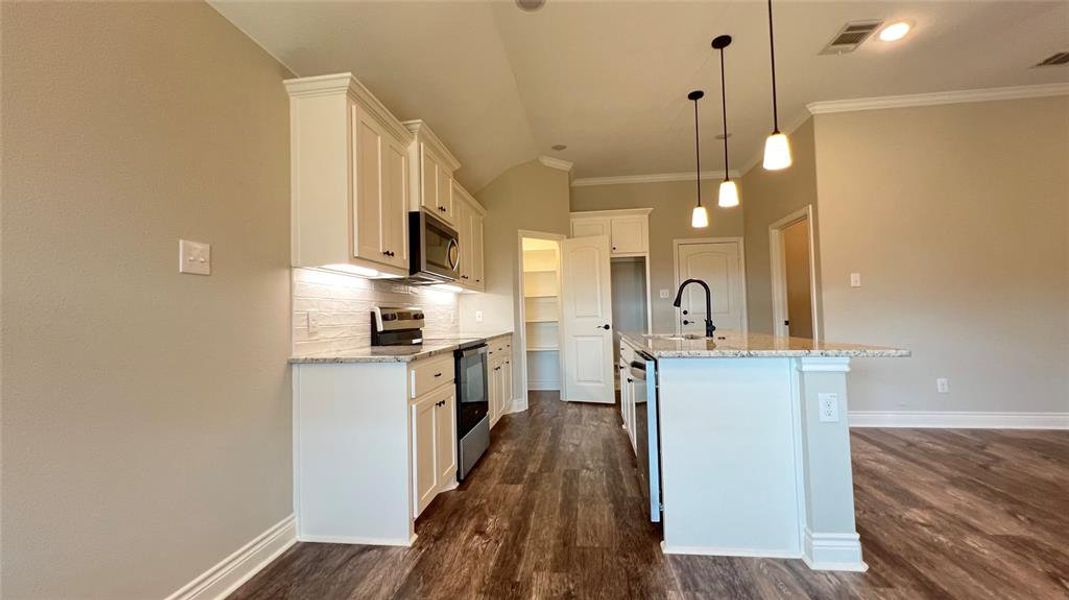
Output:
x,y
686,322
605,327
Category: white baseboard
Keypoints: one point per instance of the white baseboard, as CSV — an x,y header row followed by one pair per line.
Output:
x,y
959,420
228,574
722,551
833,552
366,541
539,385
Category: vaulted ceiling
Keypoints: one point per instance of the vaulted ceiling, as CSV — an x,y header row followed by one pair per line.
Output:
x,y
610,79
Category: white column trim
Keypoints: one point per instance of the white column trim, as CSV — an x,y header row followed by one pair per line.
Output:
x,y
833,552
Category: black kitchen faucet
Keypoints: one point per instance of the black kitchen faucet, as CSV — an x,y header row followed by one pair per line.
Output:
x,y
709,327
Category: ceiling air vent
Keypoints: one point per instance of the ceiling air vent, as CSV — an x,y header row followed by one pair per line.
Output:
x,y
851,36
1054,60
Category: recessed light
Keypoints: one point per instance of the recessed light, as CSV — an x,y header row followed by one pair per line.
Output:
x,y
530,5
559,147
895,31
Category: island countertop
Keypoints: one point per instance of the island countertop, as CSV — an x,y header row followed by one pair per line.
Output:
x,y
736,344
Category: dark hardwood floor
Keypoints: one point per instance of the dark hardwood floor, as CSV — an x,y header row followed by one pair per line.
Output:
x,y
554,510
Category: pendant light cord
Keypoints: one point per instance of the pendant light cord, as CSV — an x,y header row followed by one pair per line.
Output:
x,y
697,156
772,51
724,105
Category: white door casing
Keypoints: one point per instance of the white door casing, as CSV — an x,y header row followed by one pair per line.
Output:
x,y
719,263
586,298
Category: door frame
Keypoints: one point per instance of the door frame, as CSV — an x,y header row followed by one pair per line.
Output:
x,y
778,270
676,243
521,322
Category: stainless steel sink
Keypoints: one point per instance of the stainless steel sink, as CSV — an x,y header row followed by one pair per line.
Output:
x,y
685,337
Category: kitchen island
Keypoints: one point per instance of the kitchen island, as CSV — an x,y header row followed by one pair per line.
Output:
x,y
754,445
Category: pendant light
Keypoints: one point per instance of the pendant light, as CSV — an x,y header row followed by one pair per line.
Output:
x,y
777,148
729,193
699,217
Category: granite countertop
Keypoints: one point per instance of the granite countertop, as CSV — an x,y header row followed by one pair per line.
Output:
x,y
390,354
735,344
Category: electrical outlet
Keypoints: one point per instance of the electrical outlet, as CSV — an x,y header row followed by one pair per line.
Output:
x,y
478,316
855,280
829,407
311,322
194,258
942,385
665,294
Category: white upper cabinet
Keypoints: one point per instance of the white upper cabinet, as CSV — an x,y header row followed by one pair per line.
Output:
x,y
350,183
628,230
432,172
468,216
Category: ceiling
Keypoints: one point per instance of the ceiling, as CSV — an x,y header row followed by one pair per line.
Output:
x,y
609,79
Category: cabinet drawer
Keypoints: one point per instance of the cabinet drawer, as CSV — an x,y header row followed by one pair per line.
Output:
x,y
427,374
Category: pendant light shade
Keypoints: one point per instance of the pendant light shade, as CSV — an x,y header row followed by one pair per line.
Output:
x,y
729,192
777,147
699,217
777,152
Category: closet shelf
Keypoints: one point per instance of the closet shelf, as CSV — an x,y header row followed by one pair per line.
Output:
x,y
543,349
542,321
541,296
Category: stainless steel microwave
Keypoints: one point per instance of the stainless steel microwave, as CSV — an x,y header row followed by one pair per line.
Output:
x,y
434,249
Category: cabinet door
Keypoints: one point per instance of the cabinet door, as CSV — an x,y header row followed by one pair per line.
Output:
x,y
424,471
463,223
367,141
395,203
445,437
590,227
478,271
445,194
506,386
495,393
428,180
629,235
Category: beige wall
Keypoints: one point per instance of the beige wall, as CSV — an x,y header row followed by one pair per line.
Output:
x,y
672,203
957,219
146,414
767,197
529,196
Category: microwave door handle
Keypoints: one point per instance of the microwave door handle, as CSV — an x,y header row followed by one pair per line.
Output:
x,y
452,255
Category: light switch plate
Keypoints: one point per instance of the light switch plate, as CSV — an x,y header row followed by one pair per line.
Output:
x,y
829,407
665,294
478,316
942,385
194,258
855,280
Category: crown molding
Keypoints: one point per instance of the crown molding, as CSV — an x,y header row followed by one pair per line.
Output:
x,y
556,163
650,178
423,133
346,83
938,98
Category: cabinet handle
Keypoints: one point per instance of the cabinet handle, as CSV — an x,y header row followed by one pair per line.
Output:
x,y
464,277
388,253
442,208
437,374
629,380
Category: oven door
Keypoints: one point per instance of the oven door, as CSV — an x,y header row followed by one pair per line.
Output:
x,y
435,248
473,401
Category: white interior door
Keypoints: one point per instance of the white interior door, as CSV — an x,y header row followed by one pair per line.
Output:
x,y
718,264
586,326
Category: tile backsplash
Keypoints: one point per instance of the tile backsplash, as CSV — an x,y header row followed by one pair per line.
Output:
x,y
331,311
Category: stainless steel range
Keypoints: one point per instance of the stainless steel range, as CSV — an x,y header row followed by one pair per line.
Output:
x,y
396,326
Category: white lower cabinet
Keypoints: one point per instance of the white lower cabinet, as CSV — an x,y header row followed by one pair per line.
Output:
x,y
373,444
434,445
499,378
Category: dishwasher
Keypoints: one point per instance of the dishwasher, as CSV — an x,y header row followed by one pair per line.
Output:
x,y
647,433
